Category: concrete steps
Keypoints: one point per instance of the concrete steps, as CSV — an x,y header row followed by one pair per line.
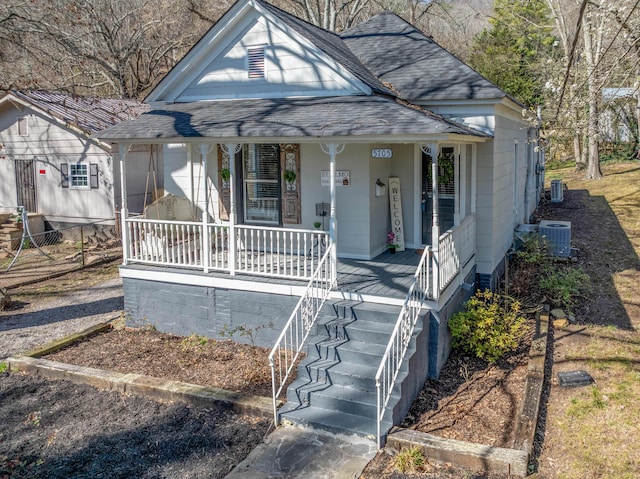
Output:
x,y
10,232
335,389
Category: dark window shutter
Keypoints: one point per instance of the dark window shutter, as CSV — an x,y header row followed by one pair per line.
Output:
x,y
93,180
64,171
224,186
291,194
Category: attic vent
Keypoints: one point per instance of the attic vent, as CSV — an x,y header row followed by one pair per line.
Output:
x,y
255,60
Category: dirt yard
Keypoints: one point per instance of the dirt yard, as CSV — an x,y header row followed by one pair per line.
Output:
x,y
56,429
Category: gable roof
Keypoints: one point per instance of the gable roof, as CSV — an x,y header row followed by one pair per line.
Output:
x,y
88,114
310,36
416,66
331,44
341,116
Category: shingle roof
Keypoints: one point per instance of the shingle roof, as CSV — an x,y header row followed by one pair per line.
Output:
x,y
89,114
329,43
416,66
301,117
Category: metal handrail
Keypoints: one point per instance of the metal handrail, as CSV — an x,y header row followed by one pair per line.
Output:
x,y
400,337
287,349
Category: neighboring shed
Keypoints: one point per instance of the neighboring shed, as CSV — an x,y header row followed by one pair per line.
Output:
x,y
50,164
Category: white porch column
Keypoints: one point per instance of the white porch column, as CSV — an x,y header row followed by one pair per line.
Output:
x,y
205,149
333,149
435,221
124,209
232,149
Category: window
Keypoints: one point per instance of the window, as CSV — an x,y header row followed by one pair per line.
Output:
x,y
255,62
23,126
261,183
79,175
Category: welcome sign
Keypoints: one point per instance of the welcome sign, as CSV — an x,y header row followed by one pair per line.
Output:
x,y
395,207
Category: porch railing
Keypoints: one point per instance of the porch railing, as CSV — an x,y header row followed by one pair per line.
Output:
x,y
287,349
399,342
286,253
449,262
455,247
264,251
175,243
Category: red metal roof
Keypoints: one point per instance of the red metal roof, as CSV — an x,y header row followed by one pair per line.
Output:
x,y
89,114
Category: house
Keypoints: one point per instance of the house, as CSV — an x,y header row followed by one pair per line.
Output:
x,y
52,166
300,150
619,118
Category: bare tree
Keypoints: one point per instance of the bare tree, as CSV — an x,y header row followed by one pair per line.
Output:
x,y
112,47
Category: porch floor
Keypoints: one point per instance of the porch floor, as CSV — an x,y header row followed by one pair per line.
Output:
x,y
387,275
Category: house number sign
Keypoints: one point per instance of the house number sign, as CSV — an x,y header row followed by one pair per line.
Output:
x,y
381,153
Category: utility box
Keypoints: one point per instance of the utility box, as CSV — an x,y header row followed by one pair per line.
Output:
x,y
557,234
557,191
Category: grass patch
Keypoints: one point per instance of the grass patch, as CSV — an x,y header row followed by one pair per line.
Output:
x,y
592,433
4,367
410,460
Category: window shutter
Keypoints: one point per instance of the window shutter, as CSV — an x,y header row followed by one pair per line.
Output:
x,y
64,171
93,175
290,162
224,187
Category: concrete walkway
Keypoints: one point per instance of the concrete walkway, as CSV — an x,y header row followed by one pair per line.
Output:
x,y
295,452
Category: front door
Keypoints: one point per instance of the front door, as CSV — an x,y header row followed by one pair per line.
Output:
x,y
26,184
446,192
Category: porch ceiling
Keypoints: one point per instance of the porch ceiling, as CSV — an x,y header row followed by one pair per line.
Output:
x,y
345,116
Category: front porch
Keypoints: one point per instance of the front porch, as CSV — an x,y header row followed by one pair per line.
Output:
x,y
283,261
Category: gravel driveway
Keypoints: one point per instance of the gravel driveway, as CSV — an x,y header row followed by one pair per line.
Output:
x,y
28,325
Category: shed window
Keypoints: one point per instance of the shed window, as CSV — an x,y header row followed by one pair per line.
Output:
x,y
80,175
23,126
255,62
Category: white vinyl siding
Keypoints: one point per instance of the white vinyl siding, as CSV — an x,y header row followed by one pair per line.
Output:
x,y
291,69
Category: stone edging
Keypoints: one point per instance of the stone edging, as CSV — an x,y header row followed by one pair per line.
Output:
x,y
154,388
480,457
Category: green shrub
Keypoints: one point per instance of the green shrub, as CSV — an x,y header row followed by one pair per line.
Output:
x,y
3,367
490,326
563,285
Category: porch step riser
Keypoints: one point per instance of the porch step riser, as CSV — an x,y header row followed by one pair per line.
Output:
x,y
335,421
336,389
343,351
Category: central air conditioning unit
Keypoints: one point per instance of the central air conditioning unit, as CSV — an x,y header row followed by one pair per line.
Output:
x,y
557,234
557,194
